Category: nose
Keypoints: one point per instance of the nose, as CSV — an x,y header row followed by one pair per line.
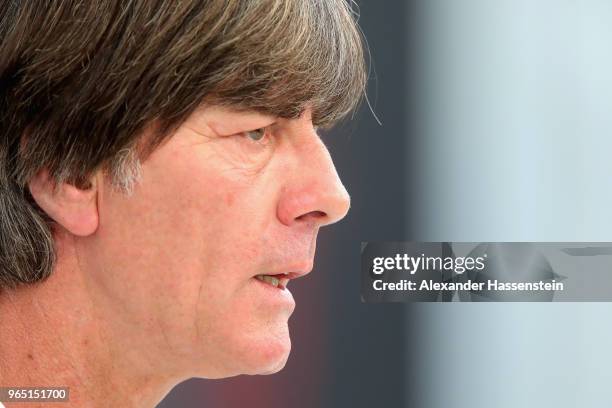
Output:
x,y
313,193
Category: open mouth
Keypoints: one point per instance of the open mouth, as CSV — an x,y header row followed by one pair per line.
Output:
x,y
278,281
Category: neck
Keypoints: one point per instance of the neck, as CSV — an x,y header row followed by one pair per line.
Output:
x,y
58,334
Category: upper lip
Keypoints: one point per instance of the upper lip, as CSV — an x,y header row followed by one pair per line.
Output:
x,y
294,270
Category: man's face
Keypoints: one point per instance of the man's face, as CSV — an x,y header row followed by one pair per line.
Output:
x,y
174,263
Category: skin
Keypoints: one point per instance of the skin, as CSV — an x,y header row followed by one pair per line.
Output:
x,y
158,286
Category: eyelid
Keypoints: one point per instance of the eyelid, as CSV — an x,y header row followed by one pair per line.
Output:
x,y
264,128
267,129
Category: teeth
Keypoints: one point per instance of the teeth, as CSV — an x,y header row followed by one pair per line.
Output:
x,y
273,280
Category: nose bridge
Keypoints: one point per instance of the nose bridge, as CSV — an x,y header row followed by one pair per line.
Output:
x,y
316,156
315,193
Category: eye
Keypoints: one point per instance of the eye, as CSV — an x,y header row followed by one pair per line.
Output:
x,y
257,134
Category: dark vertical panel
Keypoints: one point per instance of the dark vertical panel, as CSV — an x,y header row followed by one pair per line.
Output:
x,y
367,341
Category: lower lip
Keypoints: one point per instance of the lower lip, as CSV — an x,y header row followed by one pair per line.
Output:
x,y
279,294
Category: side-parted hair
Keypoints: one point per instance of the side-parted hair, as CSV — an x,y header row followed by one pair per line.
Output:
x,y
81,80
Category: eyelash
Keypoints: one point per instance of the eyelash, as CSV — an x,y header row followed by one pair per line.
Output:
x,y
264,131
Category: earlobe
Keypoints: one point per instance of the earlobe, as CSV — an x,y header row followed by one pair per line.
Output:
x,y
73,208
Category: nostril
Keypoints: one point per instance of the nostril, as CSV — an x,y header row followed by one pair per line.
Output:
x,y
313,214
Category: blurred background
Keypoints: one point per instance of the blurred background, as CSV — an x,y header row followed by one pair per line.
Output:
x,y
496,126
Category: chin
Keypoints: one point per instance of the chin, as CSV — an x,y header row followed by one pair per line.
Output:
x,y
268,357
255,358
262,348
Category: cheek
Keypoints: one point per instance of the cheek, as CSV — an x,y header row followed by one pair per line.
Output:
x,y
229,199
149,253
184,247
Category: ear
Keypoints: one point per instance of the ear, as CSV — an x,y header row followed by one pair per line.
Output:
x,y
73,208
